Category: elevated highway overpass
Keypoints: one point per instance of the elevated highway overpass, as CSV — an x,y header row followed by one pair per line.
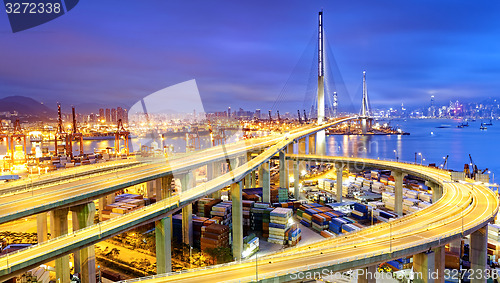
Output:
x,y
463,209
24,203
18,205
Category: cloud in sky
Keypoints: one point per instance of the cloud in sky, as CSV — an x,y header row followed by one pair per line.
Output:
x,y
241,53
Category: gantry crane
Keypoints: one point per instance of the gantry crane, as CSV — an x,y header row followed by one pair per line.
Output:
x,y
61,135
16,137
219,137
75,134
121,133
191,140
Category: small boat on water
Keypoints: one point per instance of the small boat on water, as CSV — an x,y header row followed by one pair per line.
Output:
x,y
463,125
483,127
443,126
488,124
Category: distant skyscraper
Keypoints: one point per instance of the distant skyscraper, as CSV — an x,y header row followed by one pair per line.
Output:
x,y
432,109
108,115
119,114
125,116
113,115
101,114
229,112
257,113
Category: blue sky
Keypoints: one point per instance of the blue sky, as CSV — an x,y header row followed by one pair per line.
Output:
x,y
242,53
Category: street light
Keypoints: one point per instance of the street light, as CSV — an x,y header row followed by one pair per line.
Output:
x,y
396,153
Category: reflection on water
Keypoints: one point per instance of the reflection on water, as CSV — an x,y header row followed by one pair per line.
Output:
x,y
434,144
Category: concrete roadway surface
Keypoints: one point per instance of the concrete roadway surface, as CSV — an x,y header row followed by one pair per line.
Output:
x,y
34,180
25,259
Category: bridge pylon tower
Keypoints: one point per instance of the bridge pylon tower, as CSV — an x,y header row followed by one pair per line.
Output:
x,y
365,108
321,135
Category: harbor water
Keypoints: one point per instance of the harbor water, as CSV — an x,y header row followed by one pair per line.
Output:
x,y
433,138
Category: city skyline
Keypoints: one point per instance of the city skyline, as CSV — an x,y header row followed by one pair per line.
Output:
x,y
410,51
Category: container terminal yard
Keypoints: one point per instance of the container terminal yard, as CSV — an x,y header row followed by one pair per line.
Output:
x,y
261,201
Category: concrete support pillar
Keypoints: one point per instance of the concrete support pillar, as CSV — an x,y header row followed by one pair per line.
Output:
x,y
102,206
339,168
282,167
478,254
232,164
41,227
210,171
213,171
59,227
240,160
312,144
302,146
296,179
103,202
289,167
456,247
439,264
161,188
216,195
437,191
163,238
187,225
321,143
302,149
237,217
110,198
424,268
83,216
398,192
187,211
265,177
363,126
248,177
150,189
163,229
254,179
367,274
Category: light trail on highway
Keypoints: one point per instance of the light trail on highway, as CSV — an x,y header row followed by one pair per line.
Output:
x,y
432,226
